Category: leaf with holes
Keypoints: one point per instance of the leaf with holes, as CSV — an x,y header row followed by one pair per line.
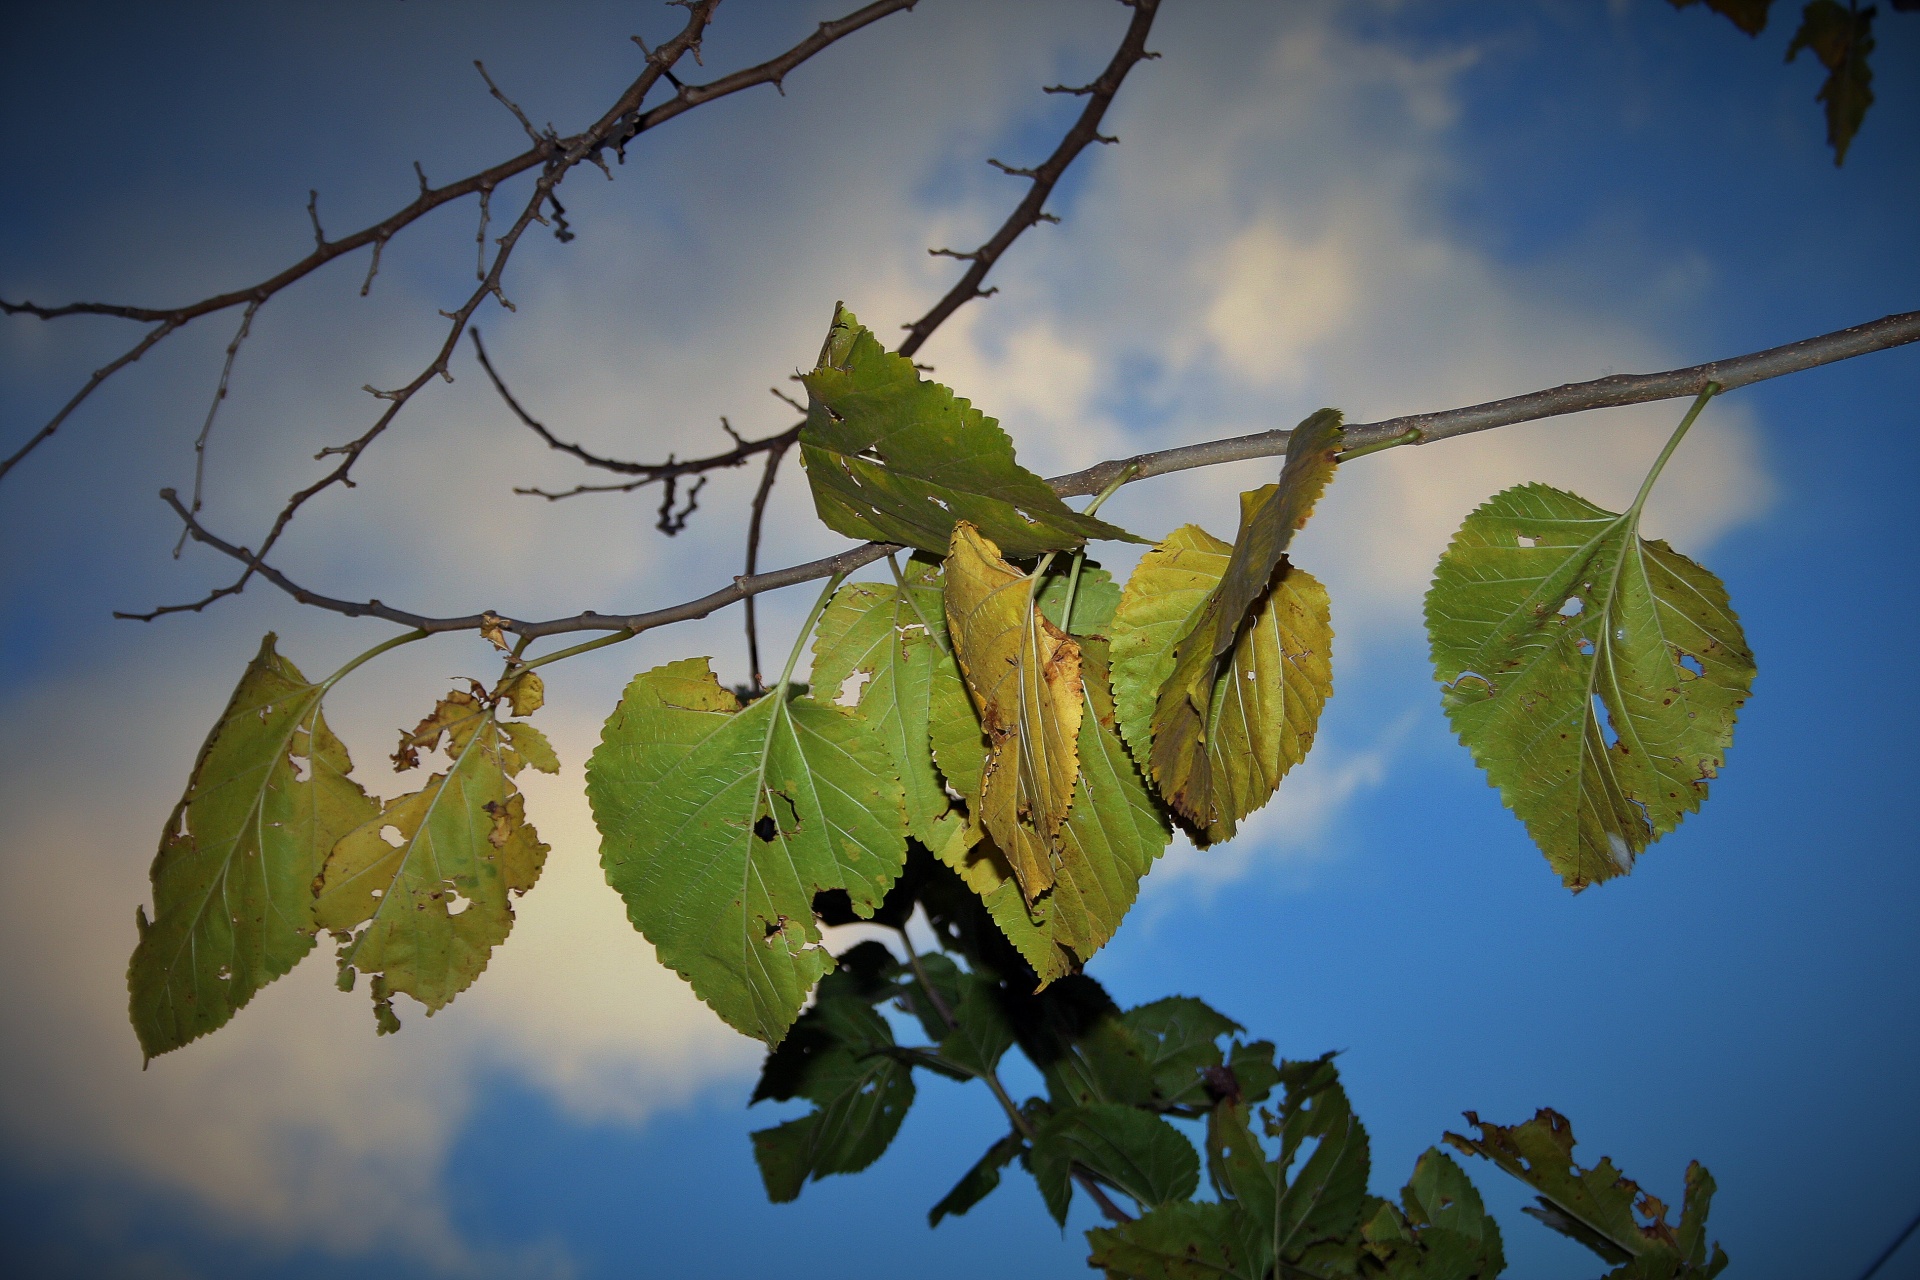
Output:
x,y
1547,611
424,908
1601,1207
233,881
719,823
1024,673
894,458
894,640
1265,702
1211,782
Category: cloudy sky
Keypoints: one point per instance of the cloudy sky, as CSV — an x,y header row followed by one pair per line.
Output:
x,y
1388,207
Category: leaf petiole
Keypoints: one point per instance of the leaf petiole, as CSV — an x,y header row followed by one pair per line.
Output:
x,y
405,638
1673,442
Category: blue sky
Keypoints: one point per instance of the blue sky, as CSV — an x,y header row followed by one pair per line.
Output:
x,y
1384,206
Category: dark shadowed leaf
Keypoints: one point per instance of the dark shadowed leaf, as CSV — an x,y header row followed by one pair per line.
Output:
x,y
719,825
1130,1149
233,881
1177,1242
1545,613
1748,15
977,1183
894,458
1841,36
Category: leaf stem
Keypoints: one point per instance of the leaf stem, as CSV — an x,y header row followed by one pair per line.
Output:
x,y
1412,435
556,656
806,629
1673,442
906,593
404,638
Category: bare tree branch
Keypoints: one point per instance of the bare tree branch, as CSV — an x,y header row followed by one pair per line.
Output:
x,y
1085,130
1622,389
213,411
619,125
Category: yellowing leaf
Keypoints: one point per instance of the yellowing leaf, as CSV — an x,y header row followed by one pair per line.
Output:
x,y
1183,762
233,881
1264,705
894,458
1025,676
1547,609
718,825
432,900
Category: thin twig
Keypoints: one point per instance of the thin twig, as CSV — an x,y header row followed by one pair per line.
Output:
x,y
760,497
1032,209
1738,371
100,375
213,411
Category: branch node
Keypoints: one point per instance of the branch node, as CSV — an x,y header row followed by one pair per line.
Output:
x,y
1010,170
509,103
955,253
422,175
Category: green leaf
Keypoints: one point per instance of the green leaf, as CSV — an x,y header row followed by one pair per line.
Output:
x,y
1546,605
718,825
1181,1036
1133,1150
897,639
432,902
233,880
1176,1242
1600,1207
1842,38
977,1183
894,458
1444,1232
1748,15
980,1033
836,1058
1263,706
1024,673
1218,749
1095,597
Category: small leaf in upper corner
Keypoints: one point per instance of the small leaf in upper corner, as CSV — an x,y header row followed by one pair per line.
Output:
x,y
719,824
233,881
1024,673
894,458
421,894
1594,675
1841,37
1601,1207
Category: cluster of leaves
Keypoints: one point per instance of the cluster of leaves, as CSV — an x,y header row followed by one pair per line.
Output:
x,y
1841,37
1001,705
1124,1089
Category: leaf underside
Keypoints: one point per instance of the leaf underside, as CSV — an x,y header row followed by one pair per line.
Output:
x,y
423,909
233,881
1263,707
719,825
894,458
1548,611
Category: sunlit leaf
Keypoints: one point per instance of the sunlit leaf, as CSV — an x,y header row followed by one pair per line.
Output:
x,y
1130,1149
894,458
1024,673
1209,782
1600,1207
1546,613
233,881
1263,708
1841,36
719,824
424,907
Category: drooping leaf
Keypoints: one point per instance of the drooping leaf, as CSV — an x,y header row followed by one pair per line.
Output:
x,y
896,639
719,824
1133,1150
1601,1207
1187,719
894,458
1263,707
1748,15
977,1183
1176,1242
837,1058
1112,835
1024,673
1547,611
233,880
1841,37
1095,597
424,909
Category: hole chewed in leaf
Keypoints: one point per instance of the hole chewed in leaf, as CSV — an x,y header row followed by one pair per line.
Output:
x,y
765,828
1572,607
